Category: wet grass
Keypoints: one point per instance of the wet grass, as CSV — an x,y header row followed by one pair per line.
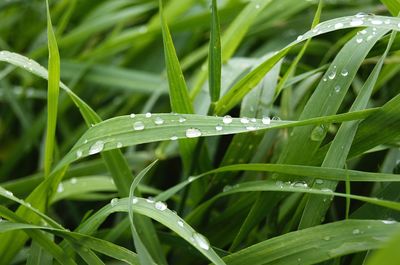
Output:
x,y
190,132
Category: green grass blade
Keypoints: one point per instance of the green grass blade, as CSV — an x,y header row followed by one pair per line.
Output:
x,y
392,5
52,94
316,208
331,240
214,62
126,131
389,254
143,253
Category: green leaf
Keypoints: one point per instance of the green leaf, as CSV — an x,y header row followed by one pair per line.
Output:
x,y
52,94
330,240
214,61
392,5
389,254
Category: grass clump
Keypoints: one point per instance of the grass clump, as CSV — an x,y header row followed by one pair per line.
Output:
x,y
196,132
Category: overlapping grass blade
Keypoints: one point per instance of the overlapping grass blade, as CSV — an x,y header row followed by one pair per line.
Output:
x,y
214,61
52,94
316,208
331,240
389,254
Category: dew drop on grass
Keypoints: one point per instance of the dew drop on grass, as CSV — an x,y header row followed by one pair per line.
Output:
x,y
318,133
327,190
133,115
191,178
8,193
119,145
73,180
332,74
319,181
173,138
134,200
251,128
182,119
387,21
148,115
266,120
160,206
114,202
339,25
300,184
218,128
300,37
361,14
327,238
337,89
138,126
79,153
180,223
356,22
201,241
60,188
227,119
158,121
257,6
279,184
356,231
96,147
150,200
344,72
193,133
359,40
389,222
398,25
376,22
244,120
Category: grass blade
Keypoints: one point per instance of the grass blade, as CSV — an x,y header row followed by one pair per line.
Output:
x,y
214,62
52,93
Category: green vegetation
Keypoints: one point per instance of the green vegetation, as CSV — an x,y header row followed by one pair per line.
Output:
x,y
197,132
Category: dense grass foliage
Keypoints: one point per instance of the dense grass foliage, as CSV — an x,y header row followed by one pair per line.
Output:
x,y
196,132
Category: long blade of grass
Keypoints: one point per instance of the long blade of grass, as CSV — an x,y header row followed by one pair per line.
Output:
x,y
332,240
316,208
214,61
389,254
125,130
143,253
52,94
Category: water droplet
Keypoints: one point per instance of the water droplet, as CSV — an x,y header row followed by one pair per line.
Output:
x,y
158,121
60,188
173,138
201,241
327,190
337,89
96,147
244,120
160,206
150,200
359,40
114,202
376,22
398,25
193,133
389,222
148,115
133,115
227,188
135,200
119,145
266,120
279,184
73,180
356,231
325,79
318,133
8,193
344,72
319,181
339,25
257,6
218,128
300,37
85,142
361,14
387,21
332,74
356,22
327,238
182,119
227,119
79,153
300,184
191,178
180,223
138,126
251,128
